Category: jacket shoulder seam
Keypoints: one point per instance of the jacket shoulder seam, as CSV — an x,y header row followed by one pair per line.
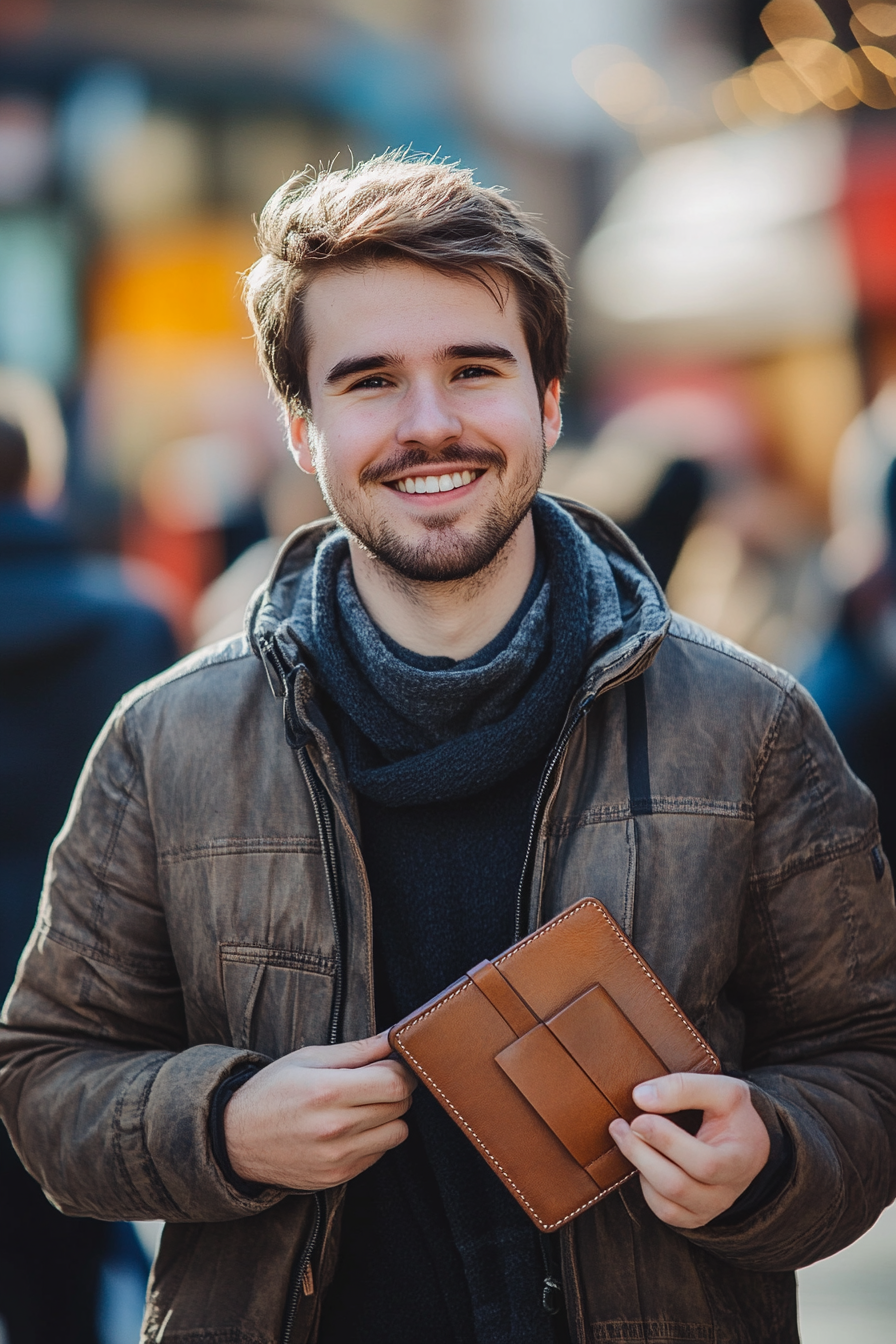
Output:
x,y
725,649
187,668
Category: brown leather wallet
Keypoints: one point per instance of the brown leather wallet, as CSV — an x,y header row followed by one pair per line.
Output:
x,y
535,1053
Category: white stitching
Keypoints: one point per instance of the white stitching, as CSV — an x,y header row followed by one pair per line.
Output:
x,y
631,951
559,919
548,1227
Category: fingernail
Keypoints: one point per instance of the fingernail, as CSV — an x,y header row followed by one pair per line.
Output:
x,y
645,1093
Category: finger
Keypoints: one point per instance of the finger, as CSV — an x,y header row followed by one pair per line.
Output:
x,y
346,1124
367,1148
667,1178
674,1214
709,1164
382,1082
345,1055
712,1093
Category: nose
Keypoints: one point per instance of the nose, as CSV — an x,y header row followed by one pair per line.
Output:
x,y
427,418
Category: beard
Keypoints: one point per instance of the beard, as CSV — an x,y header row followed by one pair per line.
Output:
x,y
445,554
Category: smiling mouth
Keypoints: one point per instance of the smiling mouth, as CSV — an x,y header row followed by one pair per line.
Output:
x,y
436,485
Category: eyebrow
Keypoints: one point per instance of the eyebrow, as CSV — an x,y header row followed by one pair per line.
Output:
x,y
348,368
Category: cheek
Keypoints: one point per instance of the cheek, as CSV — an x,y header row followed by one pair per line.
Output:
x,y
520,416
346,446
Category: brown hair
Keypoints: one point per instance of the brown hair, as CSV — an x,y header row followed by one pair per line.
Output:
x,y
398,206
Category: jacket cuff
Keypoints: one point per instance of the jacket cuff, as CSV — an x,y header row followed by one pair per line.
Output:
x,y
763,1188
223,1093
170,1137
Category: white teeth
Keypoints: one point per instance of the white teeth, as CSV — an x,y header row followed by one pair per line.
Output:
x,y
434,485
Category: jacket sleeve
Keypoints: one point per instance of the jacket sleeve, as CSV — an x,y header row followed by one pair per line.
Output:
x,y
816,983
105,1104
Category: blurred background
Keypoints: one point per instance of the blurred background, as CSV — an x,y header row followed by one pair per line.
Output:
x,y
722,178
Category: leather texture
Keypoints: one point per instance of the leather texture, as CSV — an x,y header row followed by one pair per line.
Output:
x,y
536,1053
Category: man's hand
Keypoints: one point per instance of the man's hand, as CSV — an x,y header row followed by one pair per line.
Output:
x,y
319,1116
687,1180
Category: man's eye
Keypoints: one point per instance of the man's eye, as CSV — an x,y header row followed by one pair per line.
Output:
x,y
476,371
374,380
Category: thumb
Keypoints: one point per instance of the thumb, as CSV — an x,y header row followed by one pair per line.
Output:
x,y
712,1093
345,1055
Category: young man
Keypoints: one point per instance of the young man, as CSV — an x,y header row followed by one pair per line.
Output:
x,y
458,708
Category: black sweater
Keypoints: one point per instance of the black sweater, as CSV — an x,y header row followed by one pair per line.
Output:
x,y
433,1247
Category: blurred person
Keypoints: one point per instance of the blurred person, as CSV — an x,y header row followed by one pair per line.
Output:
x,y
853,678
289,500
288,842
72,641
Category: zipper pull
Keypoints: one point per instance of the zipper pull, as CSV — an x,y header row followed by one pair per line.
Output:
x,y
552,1296
307,1281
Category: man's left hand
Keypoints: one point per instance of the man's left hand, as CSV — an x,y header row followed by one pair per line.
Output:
x,y
689,1180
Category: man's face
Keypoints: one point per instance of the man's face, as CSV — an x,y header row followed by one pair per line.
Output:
x,y
428,433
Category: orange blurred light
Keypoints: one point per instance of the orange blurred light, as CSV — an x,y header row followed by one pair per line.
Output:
x,y
183,280
824,69
873,86
785,19
780,85
882,60
878,18
738,100
619,82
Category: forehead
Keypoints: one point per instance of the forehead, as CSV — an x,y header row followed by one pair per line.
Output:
x,y
406,309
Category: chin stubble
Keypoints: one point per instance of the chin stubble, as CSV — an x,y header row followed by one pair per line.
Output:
x,y
449,557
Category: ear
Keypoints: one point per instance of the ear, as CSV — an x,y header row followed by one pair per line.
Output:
x,y
552,419
300,444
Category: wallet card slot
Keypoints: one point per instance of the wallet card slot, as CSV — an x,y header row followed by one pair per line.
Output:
x,y
607,1047
569,1103
503,998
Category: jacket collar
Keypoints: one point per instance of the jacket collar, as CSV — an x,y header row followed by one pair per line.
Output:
x,y
645,612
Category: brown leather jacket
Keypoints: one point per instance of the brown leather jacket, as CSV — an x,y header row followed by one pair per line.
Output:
x,y
206,905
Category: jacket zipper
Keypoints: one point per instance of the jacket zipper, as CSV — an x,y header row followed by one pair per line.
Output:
x,y
297,740
299,1271
328,847
536,814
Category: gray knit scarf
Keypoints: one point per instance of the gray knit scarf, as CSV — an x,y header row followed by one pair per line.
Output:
x,y
416,730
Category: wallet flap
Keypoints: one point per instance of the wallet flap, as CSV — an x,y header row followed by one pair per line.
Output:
x,y
565,957
566,1099
607,1047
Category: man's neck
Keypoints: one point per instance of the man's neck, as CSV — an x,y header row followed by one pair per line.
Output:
x,y
447,620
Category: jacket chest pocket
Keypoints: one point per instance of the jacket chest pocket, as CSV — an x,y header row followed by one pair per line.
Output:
x,y
277,999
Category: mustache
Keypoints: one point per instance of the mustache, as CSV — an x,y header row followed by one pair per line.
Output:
x,y
407,460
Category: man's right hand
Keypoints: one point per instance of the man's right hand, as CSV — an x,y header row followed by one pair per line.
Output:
x,y
319,1116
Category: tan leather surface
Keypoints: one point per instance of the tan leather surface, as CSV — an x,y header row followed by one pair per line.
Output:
x,y
504,997
565,1097
606,1046
535,1099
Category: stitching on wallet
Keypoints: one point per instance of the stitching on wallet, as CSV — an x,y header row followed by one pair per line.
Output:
x,y
632,953
548,1227
466,985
